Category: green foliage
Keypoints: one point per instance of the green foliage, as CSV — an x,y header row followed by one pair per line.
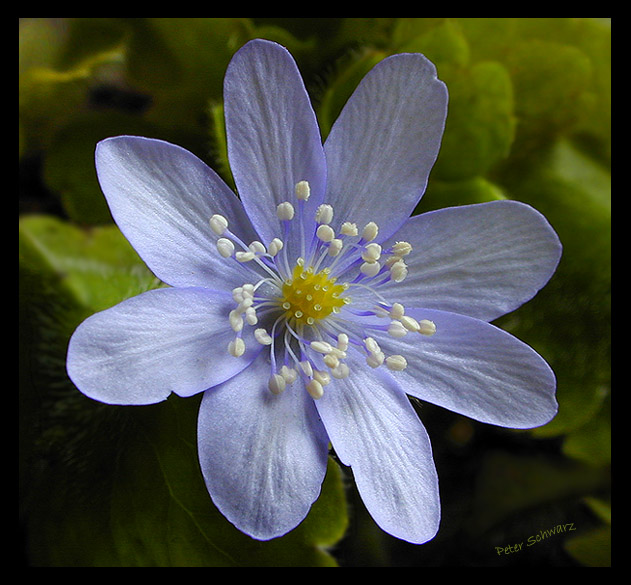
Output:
x,y
529,119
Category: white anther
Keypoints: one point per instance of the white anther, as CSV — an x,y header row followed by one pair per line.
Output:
x,y
257,248
397,311
325,233
248,289
237,294
398,271
371,345
401,248
303,191
285,211
379,311
315,389
324,214
275,246
370,232
349,229
236,347
262,336
225,247
244,256
250,316
396,363
374,360
371,253
236,321
276,384
289,374
341,371
306,367
323,377
396,329
426,327
331,360
335,247
321,347
342,342
410,323
244,305
218,223
370,268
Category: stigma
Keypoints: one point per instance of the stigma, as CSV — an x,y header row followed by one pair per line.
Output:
x,y
310,296
302,308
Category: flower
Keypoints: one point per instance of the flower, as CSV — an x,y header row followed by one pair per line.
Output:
x,y
307,310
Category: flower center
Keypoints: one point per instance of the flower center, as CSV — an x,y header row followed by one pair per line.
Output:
x,y
298,313
309,296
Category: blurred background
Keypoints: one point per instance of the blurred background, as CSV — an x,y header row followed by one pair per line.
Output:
x,y
529,119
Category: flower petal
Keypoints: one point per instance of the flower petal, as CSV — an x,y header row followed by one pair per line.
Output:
x,y
263,456
162,196
481,260
383,145
162,341
375,430
273,136
475,369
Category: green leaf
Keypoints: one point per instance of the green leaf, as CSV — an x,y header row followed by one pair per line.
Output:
x,y
511,486
480,125
98,268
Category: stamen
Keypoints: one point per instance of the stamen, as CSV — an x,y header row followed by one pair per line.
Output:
x,y
371,229
244,256
303,191
371,253
236,322
274,247
236,347
315,389
324,214
370,268
397,311
335,246
285,211
410,323
218,223
396,329
225,247
276,384
325,233
426,327
289,374
398,271
401,249
262,336
257,248
396,363
349,229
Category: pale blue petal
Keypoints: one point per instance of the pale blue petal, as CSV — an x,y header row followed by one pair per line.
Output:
x,y
374,429
273,136
480,260
162,341
161,197
383,145
263,456
475,369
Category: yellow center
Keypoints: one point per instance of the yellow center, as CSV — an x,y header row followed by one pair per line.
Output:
x,y
309,296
